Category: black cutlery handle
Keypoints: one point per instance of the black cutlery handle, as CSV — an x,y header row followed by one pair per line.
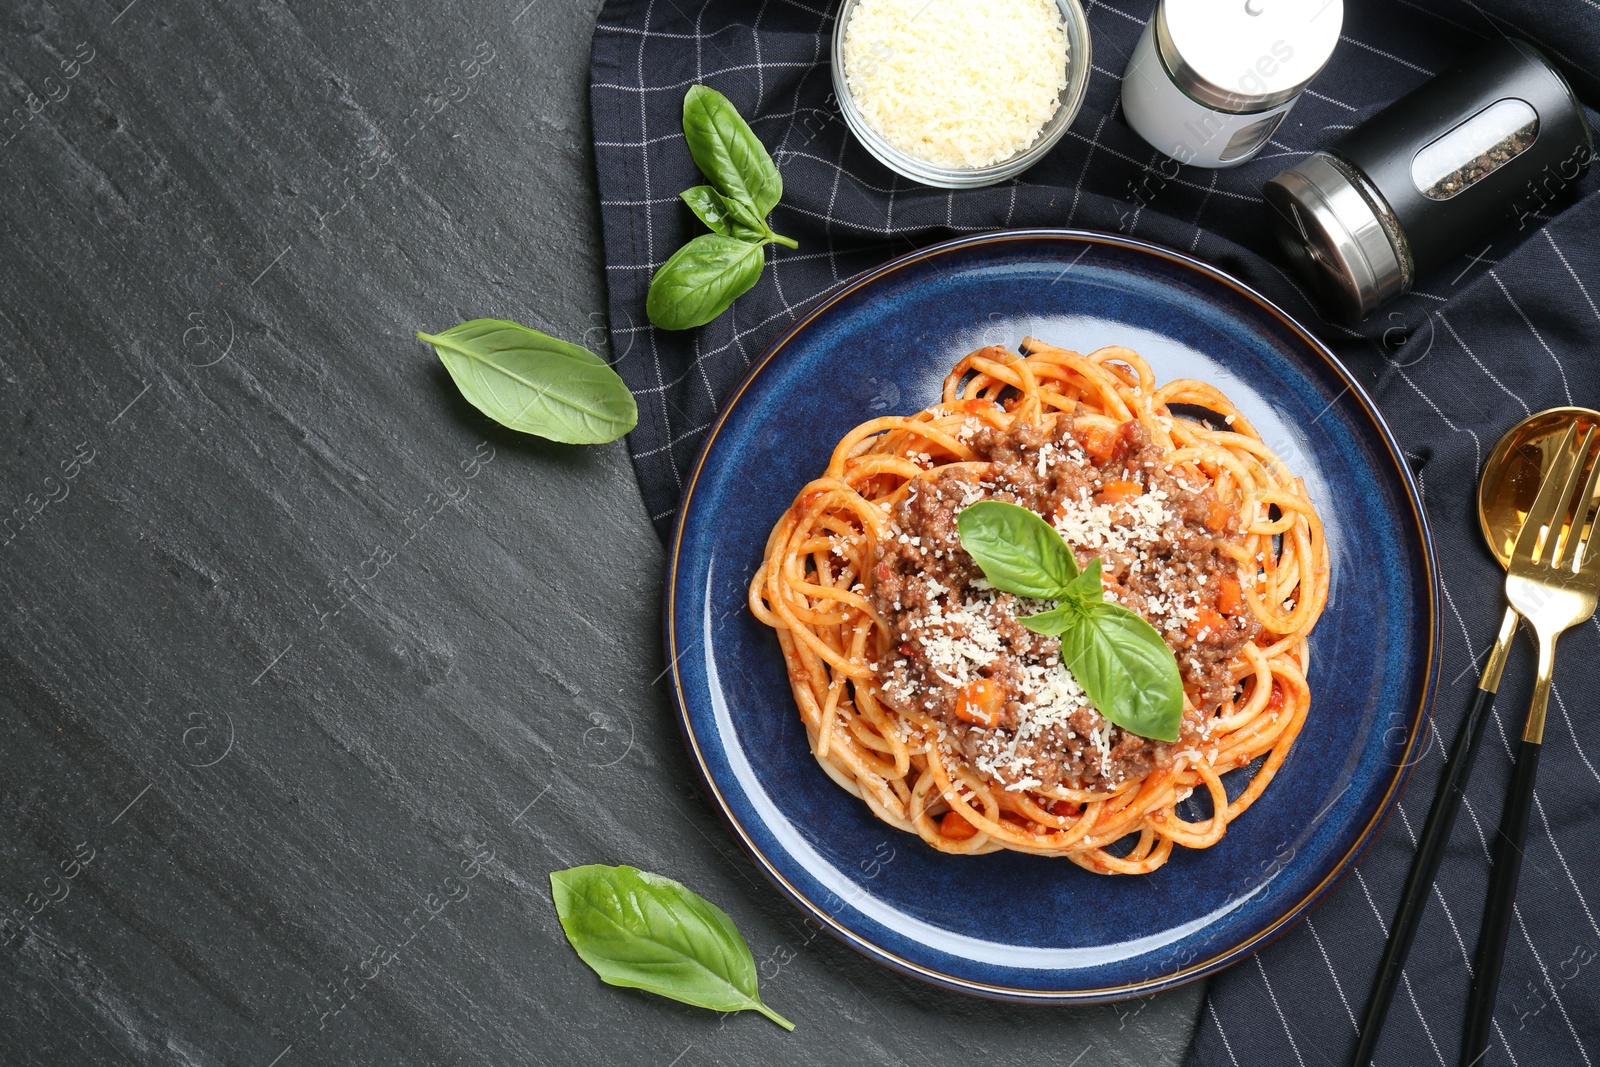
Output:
x,y
1497,912
1424,866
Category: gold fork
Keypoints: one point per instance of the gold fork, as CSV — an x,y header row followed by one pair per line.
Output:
x,y
1554,583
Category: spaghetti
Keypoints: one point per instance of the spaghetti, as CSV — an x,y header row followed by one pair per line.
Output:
x,y
923,696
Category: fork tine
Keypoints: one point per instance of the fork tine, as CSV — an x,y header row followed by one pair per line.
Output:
x,y
1544,505
1583,521
1563,537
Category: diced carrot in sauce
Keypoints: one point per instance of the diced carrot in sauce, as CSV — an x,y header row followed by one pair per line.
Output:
x,y
1099,442
1219,516
1229,597
980,702
1207,619
1110,447
1117,490
955,827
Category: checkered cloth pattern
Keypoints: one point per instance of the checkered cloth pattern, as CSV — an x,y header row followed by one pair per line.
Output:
x,y
1503,331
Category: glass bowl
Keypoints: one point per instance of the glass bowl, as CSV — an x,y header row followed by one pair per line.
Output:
x,y
1077,29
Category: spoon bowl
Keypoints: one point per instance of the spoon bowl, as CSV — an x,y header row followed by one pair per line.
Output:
x,y
1514,470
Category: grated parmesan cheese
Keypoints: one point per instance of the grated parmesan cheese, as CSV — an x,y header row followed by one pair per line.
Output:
x,y
1095,526
958,83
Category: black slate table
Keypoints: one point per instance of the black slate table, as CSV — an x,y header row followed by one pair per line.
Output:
x,y
309,675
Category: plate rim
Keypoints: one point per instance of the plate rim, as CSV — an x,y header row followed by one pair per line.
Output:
x,y
1291,916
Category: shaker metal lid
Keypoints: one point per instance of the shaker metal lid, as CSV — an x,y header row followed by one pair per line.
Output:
x,y
1340,235
1246,55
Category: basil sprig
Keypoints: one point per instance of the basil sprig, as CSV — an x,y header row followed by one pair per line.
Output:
x,y
643,931
530,381
1125,668
702,279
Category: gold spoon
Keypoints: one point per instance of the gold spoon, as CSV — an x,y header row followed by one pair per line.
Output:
x,y
1511,478
1512,474
1510,481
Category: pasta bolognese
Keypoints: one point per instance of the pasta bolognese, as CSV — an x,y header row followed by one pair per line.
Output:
x,y
924,695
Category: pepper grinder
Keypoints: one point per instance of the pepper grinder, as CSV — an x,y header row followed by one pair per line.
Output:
x,y
1488,143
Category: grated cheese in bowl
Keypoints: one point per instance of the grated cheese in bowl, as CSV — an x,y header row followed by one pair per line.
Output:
x,y
957,84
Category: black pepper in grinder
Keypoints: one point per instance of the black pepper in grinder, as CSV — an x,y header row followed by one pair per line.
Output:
x,y
1482,146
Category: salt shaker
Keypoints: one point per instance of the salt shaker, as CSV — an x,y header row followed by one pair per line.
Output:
x,y
1491,142
1210,81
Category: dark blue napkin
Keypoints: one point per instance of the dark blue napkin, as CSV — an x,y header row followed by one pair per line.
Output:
x,y
1507,330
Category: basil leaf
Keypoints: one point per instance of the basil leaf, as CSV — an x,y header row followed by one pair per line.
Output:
x,y
530,381
701,280
1017,551
730,218
728,152
1055,621
1080,593
642,931
1126,670
1087,586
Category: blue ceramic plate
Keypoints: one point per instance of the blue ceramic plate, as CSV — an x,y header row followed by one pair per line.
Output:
x,y
1010,925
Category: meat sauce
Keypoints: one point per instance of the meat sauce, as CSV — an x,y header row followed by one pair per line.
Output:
x,y
1008,704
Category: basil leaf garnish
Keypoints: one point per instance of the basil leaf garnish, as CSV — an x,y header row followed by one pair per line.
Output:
x,y
642,931
1125,667
1017,551
728,152
701,280
1055,621
1126,670
1076,597
1087,586
530,381
731,218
